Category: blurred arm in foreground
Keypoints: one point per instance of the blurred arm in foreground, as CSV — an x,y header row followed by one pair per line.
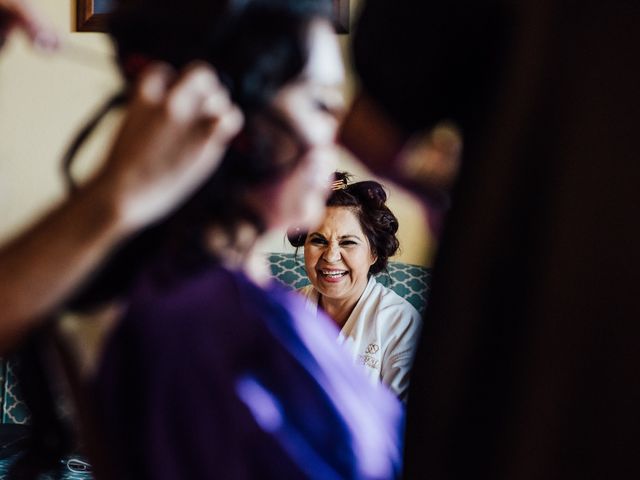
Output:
x,y
175,132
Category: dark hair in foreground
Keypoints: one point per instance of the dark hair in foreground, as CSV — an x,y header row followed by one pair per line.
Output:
x,y
367,200
256,47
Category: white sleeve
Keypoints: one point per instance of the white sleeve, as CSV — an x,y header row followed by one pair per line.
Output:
x,y
404,330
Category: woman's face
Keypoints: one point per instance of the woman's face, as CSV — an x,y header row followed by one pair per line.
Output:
x,y
337,256
312,106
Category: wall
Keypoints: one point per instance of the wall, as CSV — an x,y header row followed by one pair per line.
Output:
x,y
45,99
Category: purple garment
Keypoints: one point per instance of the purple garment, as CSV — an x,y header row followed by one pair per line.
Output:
x,y
213,377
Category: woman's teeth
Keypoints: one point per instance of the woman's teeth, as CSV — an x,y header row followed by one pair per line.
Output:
x,y
333,273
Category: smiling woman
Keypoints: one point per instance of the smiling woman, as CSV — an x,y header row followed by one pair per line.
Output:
x,y
353,243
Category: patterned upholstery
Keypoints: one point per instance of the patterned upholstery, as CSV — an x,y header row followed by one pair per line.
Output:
x,y
13,408
72,470
409,281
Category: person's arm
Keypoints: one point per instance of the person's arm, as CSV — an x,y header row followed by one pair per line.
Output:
x,y
21,15
175,133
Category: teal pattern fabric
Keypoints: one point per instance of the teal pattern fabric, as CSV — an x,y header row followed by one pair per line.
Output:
x,y
13,408
409,281
73,468
2,382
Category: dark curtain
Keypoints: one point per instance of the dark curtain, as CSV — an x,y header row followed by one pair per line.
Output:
x,y
528,365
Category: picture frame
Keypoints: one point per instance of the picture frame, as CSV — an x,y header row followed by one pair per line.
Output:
x,y
91,15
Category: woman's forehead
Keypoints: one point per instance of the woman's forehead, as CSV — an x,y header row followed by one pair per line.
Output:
x,y
341,221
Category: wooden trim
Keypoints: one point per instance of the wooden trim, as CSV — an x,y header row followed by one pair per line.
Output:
x,y
87,20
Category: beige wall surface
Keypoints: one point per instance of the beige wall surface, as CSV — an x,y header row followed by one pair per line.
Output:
x,y
45,99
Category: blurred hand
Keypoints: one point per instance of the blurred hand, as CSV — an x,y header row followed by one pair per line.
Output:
x,y
21,15
176,132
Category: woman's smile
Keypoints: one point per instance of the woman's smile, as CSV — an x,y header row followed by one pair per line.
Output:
x,y
332,275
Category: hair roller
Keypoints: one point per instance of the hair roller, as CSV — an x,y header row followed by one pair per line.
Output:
x,y
296,236
375,193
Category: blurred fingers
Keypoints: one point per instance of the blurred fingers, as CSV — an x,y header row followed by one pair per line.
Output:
x,y
196,86
153,84
229,124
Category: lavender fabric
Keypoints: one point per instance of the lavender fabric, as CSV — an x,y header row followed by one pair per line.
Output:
x,y
213,377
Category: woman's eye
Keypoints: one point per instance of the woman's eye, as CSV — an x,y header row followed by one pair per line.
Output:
x,y
348,243
318,241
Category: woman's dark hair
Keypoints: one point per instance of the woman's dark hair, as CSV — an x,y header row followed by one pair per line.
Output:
x,y
368,201
256,47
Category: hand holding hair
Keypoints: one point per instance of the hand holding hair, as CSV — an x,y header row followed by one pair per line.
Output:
x,y
176,132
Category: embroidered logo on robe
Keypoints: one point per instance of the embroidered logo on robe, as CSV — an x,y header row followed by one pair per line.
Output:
x,y
369,358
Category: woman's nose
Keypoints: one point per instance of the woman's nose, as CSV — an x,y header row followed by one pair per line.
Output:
x,y
332,254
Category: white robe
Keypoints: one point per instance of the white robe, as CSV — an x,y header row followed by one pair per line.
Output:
x,y
381,332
